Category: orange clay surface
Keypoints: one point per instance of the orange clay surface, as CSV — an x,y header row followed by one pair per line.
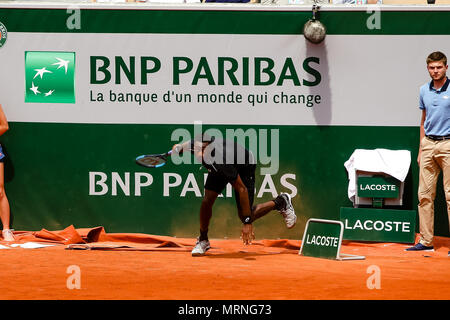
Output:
x,y
157,267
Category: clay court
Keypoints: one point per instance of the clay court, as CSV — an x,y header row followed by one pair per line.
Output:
x,y
147,267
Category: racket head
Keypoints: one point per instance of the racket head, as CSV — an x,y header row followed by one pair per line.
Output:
x,y
152,160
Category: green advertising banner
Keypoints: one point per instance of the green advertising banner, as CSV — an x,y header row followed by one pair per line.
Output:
x,y
87,88
381,225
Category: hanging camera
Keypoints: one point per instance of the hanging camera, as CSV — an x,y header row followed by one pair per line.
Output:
x,y
314,30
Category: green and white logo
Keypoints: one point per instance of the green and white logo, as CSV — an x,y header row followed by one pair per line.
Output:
x,y
49,77
3,34
384,225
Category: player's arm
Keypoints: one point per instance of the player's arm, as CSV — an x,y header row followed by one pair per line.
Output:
x,y
247,228
3,122
244,202
180,147
422,133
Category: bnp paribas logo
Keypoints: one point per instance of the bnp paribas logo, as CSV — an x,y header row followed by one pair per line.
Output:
x,y
3,34
49,77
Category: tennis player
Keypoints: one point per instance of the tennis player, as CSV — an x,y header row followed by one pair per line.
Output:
x,y
7,233
229,162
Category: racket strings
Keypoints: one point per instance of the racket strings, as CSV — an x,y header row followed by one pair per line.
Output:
x,y
152,160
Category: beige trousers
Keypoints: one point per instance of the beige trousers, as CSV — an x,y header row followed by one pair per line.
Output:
x,y
434,158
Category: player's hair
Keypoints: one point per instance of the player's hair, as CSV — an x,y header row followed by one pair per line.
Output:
x,y
437,56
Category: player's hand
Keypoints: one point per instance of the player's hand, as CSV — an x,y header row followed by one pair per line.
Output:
x,y
177,148
418,158
247,234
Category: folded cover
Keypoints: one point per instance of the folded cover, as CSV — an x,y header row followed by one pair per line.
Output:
x,y
395,163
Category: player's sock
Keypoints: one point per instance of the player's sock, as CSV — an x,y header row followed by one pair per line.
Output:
x,y
203,235
279,203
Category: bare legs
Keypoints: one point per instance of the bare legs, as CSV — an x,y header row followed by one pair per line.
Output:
x,y
4,204
4,207
260,210
210,197
206,209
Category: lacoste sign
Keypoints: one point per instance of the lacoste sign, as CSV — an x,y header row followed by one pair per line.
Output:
x,y
384,225
378,225
49,77
323,238
378,187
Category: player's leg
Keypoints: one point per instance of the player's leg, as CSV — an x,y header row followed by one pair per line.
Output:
x,y
206,212
202,244
281,203
4,208
261,209
214,185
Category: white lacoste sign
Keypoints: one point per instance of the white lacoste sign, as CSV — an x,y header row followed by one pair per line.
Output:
x,y
378,225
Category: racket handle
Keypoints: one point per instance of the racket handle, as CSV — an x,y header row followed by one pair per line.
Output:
x,y
178,149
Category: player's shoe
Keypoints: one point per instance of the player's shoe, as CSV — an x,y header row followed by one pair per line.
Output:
x,y
287,211
8,235
200,248
420,247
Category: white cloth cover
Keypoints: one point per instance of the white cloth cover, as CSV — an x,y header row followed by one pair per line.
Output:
x,y
392,162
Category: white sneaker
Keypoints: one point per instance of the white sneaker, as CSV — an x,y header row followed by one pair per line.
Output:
x,y
8,235
200,248
288,212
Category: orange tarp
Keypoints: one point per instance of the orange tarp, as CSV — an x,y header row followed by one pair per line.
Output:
x,y
141,266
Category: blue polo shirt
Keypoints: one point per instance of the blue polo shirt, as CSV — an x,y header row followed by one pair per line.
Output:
x,y
437,106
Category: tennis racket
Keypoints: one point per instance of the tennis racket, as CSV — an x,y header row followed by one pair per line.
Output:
x,y
153,160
